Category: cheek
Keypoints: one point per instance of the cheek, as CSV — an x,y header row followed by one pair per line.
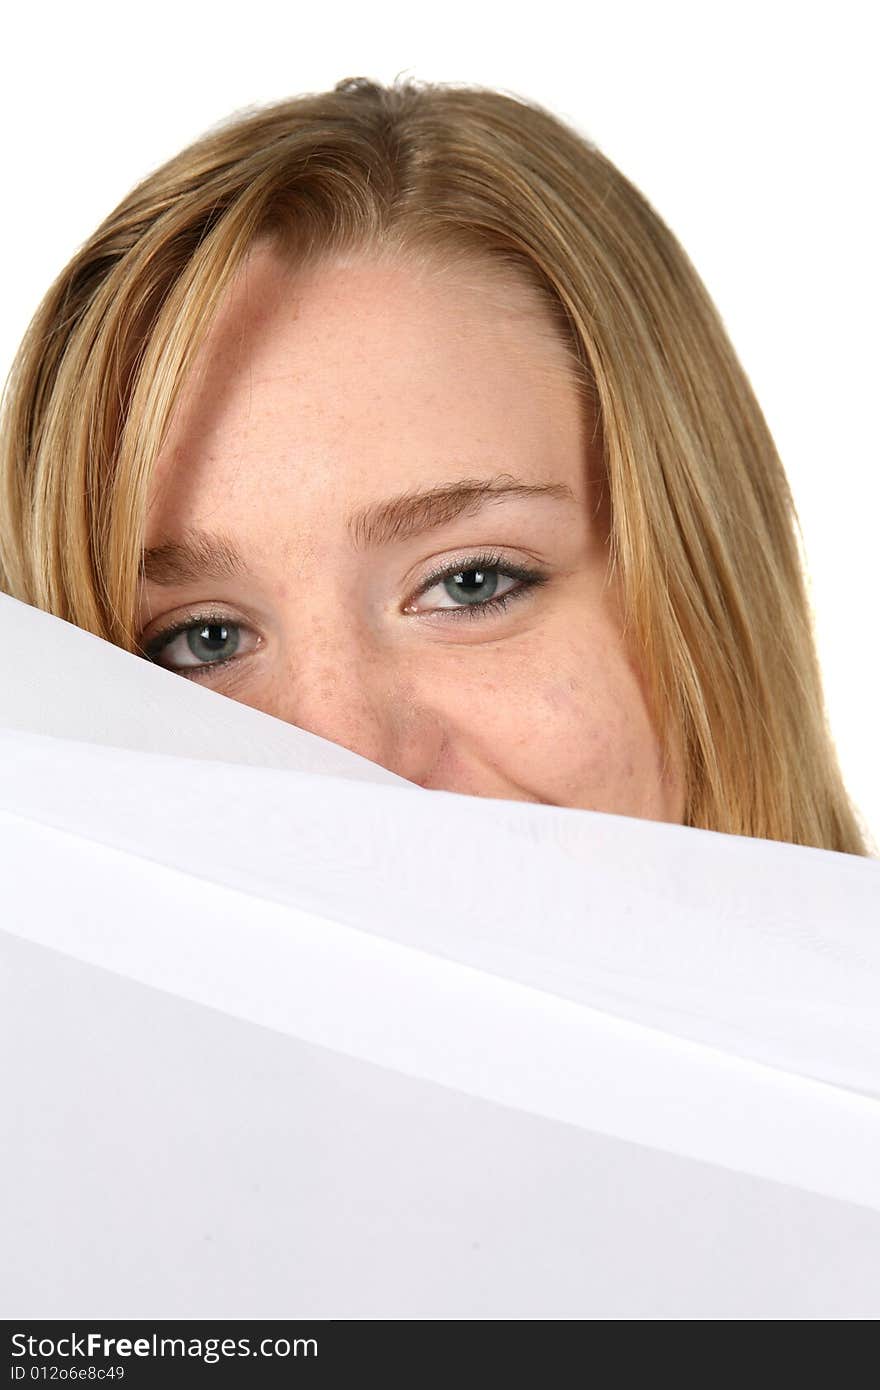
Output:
x,y
549,720
579,740
595,744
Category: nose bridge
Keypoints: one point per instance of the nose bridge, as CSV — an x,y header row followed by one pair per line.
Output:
x,y
344,691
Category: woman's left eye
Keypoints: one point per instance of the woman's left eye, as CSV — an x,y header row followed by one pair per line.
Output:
x,y
473,584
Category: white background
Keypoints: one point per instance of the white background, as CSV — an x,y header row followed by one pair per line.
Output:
x,y
751,129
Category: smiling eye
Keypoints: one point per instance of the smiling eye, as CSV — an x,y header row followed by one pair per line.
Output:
x,y
204,642
472,585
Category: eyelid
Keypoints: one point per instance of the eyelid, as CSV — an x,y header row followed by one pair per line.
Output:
x,y
197,617
490,560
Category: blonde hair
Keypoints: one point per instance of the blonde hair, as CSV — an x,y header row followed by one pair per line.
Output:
x,y
703,537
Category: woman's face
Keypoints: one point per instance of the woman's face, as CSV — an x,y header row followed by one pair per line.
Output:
x,y
465,640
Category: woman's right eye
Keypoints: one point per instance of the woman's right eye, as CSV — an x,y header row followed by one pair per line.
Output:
x,y
201,644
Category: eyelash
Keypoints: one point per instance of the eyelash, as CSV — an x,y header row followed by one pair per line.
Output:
x,y
529,579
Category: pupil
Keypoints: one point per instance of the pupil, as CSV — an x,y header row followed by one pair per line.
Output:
x,y
466,590
213,637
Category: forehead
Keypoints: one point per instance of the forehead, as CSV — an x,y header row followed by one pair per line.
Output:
x,y
363,376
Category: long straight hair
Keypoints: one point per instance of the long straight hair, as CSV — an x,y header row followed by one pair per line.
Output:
x,y
704,538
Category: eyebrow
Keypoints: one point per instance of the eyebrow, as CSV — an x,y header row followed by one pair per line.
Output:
x,y
211,555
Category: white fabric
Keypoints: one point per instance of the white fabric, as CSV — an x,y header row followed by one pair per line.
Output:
x,y
286,1035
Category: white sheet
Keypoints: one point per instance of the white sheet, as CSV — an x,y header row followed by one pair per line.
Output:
x,y
443,1056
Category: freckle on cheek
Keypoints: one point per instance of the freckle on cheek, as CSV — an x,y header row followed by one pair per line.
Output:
x,y
562,694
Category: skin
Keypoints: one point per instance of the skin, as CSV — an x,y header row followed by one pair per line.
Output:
x,y
319,392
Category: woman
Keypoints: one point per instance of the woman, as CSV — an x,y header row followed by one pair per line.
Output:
x,y
398,413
